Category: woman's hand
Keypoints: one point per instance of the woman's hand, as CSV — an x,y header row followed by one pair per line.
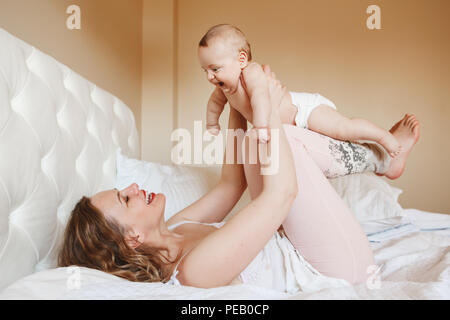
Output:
x,y
276,90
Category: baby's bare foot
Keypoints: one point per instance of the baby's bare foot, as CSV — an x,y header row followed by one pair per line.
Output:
x,y
407,132
391,144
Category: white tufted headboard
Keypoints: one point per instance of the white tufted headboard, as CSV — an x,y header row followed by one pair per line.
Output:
x,y
58,139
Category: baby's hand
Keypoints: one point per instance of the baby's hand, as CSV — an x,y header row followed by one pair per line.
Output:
x,y
263,135
213,129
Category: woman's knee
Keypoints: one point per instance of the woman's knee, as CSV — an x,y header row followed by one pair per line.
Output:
x,y
292,131
294,136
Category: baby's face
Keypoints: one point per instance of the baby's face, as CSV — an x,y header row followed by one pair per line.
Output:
x,y
221,65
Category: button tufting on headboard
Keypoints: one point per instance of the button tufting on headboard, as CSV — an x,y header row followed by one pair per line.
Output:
x,y
58,139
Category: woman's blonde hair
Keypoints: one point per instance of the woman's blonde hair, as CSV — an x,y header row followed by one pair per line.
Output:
x,y
91,241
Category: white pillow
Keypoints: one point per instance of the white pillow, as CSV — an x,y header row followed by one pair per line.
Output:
x,y
182,185
370,197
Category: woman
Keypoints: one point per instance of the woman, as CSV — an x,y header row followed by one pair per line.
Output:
x,y
124,232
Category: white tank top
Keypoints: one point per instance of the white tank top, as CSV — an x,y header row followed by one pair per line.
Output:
x,y
278,266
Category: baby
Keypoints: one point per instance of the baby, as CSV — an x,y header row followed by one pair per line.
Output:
x,y
225,56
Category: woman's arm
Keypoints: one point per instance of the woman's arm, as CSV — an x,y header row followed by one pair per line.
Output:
x,y
225,253
220,200
258,92
233,171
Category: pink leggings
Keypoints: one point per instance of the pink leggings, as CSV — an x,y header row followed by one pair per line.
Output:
x,y
320,225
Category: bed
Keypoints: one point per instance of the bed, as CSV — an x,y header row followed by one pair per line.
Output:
x,y
62,137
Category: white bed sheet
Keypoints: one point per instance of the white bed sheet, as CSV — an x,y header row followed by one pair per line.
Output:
x,y
415,266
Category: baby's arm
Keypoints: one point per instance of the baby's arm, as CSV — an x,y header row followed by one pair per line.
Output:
x,y
258,92
214,109
329,122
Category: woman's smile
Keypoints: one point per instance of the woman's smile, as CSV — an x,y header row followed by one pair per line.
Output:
x,y
150,198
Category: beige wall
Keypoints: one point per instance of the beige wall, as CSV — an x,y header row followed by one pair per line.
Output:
x,y
107,50
158,79
324,46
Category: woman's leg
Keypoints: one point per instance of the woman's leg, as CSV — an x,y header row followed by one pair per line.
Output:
x,y
320,225
339,158
334,157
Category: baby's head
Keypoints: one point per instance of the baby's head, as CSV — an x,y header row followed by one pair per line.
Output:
x,y
223,52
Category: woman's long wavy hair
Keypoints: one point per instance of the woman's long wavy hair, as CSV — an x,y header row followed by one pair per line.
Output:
x,y
91,241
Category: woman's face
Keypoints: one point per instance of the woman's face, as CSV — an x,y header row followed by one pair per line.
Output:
x,y
135,210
